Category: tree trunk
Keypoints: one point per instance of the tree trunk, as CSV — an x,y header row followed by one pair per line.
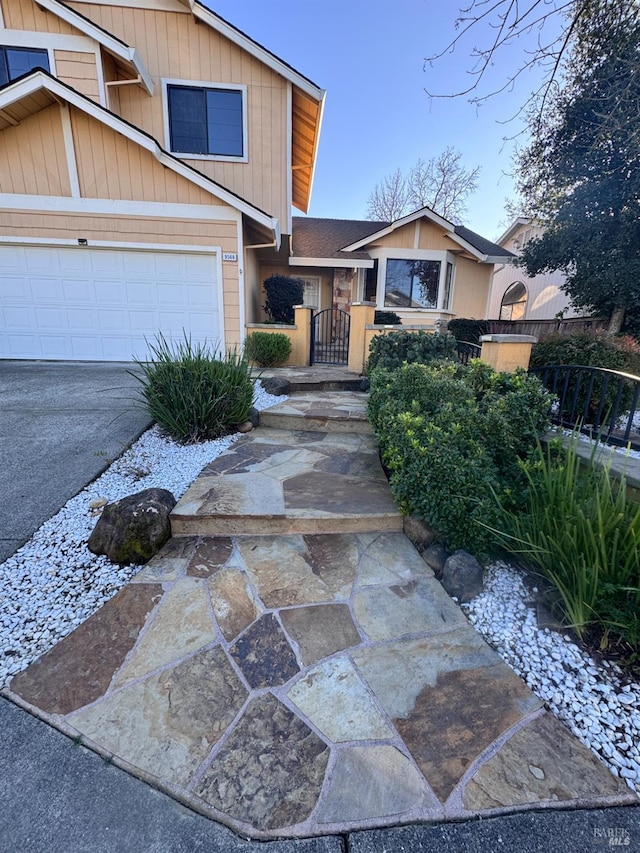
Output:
x,y
615,321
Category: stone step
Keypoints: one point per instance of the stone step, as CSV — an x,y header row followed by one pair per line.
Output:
x,y
317,378
333,412
283,482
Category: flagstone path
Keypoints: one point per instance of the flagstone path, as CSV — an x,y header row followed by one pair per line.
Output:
x,y
315,681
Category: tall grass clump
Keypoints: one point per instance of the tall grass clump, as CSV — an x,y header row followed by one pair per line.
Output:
x,y
192,392
579,529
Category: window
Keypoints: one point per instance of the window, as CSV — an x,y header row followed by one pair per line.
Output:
x,y
16,61
206,121
412,284
370,289
448,281
311,296
514,302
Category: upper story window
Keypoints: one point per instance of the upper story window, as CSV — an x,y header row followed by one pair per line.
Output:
x,y
16,61
207,121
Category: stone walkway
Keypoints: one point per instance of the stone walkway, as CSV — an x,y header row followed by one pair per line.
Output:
x,y
289,665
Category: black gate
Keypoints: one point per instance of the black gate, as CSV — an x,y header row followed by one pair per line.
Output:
x,y
330,337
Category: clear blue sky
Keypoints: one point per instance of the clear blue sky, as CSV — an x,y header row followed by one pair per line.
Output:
x,y
369,56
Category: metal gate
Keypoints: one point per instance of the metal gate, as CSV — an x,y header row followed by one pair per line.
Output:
x,y
330,337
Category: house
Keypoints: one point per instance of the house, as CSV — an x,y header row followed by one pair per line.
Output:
x,y
421,266
151,156
517,296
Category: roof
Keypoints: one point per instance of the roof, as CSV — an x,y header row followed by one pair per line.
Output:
x,y
486,247
315,238
325,238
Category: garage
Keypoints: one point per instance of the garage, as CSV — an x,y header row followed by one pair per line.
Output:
x,y
99,304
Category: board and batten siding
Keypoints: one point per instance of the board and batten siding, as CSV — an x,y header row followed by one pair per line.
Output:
x,y
26,15
78,70
33,158
172,45
471,288
142,231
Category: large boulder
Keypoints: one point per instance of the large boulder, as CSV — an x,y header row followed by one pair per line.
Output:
x,y
276,385
462,576
133,529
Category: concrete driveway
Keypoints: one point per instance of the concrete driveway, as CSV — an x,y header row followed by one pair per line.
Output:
x,y
61,424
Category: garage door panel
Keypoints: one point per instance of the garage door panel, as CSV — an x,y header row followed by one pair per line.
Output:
x,y
100,304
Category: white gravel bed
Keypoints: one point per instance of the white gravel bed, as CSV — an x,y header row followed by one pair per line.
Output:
x,y
53,583
597,702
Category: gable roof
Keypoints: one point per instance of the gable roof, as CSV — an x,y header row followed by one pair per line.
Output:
x,y
38,89
483,250
113,45
307,99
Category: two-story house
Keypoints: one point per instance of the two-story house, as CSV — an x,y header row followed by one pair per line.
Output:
x,y
151,156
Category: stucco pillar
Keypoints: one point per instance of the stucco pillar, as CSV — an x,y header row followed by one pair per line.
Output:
x,y
301,341
505,353
362,315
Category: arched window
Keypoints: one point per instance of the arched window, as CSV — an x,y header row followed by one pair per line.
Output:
x,y
514,302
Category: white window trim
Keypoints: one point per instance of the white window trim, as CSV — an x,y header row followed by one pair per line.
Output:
x,y
444,257
312,281
205,84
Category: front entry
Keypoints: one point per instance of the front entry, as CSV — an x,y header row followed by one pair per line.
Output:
x,y
330,337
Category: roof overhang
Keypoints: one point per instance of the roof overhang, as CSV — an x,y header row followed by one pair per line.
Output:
x,y
432,216
38,90
118,49
511,230
346,263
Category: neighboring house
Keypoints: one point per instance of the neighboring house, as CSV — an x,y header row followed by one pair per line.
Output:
x,y
151,155
421,266
517,296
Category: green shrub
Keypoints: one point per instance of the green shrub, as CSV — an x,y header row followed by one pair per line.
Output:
x,y
450,436
283,292
581,531
463,329
392,350
386,318
192,393
266,349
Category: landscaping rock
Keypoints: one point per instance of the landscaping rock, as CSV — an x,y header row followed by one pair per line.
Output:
x,y
365,384
254,416
436,556
247,426
133,529
276,385
462,576
418,532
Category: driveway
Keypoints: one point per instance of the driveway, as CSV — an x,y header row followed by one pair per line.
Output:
x,y
61,424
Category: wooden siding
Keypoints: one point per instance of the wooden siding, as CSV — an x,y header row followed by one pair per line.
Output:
x,y
138,175
172,45
33,156
26,15
141,231
78,70
471,288
431,236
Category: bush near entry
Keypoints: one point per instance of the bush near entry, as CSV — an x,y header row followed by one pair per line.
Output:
x,y
266,349
392,350
450,437
283,292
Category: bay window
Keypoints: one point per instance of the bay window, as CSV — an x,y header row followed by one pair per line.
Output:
x,y
418,283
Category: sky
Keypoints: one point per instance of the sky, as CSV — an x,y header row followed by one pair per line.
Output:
x,y
369,55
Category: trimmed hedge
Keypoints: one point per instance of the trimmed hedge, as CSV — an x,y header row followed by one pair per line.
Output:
x,y
266,349
386,318
450,438
283,292
468,330
393,350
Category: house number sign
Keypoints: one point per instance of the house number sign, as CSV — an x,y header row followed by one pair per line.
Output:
x,y
230,256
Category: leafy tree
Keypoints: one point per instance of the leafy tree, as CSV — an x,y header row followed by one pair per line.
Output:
x,y
441,183
283,293
581,173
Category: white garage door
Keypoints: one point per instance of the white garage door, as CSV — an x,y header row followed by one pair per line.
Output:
x,y
99,304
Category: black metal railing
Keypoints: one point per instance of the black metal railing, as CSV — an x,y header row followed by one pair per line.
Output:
x,y
330,337
467,350
600,403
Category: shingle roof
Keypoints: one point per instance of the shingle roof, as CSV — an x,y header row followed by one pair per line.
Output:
x,y
324,238
479,243
314,237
